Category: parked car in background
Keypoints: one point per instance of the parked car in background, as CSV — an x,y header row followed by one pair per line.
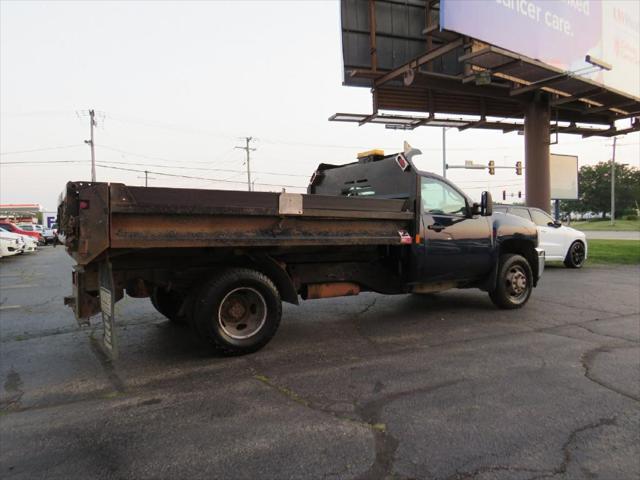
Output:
x,y
560,243
29,244
25,244
15,229
47,233
9,244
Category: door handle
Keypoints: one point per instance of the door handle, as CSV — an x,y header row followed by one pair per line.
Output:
x,y
437,227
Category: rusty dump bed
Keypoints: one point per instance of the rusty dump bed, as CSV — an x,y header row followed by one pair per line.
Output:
x,y
96,217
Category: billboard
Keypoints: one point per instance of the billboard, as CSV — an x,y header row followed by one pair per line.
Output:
x,y
558,32
564,177
399,37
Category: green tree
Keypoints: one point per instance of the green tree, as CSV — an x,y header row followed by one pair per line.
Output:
x,y
594,190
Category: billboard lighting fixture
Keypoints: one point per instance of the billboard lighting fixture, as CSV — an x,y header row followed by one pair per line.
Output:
x,y
596,62
483,78
392,126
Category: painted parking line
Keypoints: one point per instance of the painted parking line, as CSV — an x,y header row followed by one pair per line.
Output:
x,y
9,307
26,285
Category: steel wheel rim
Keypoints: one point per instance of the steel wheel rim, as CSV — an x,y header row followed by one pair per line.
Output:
x,y
577,253
242,313
517,283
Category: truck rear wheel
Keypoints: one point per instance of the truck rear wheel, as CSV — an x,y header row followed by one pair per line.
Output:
x,y
238,311
514,283
168,303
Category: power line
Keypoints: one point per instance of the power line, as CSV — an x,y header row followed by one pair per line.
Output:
x,y
152,157
197,178
125,152
43,149
36,162
205,169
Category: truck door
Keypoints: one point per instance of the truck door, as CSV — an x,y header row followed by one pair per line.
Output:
x,y
455,245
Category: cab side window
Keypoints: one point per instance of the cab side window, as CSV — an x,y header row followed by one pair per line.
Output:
x,y
440,198
540,218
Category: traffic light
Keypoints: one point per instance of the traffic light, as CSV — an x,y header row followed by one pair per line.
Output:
x,y
519,194
504,195
492,167
518,168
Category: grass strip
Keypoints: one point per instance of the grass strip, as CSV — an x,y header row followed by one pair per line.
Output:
x,y
620,252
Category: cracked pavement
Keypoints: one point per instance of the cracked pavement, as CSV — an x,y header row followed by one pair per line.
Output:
x,y
370,387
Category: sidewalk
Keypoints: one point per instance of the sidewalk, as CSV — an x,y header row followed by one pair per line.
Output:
x,y
604,235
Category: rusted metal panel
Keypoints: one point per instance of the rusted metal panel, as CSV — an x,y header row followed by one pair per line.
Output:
x,y
169,231
86,220
328,290
191,201
181,201
370,275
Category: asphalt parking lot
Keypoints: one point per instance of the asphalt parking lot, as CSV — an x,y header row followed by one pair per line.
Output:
x,y
442,386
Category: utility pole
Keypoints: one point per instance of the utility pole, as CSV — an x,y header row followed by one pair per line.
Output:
x,y
613,183
248,161
92,123
146,178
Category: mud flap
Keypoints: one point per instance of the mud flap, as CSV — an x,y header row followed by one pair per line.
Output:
x,y
107,307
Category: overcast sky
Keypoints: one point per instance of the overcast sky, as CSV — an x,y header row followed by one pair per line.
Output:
x,y
176,84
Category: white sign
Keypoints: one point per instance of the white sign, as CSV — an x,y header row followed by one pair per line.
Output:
x,y
564,177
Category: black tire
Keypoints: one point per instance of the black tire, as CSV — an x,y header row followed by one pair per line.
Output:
x,y
575,255
238,311
514,283
168,303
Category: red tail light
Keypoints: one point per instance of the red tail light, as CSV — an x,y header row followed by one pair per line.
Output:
x,y
84,204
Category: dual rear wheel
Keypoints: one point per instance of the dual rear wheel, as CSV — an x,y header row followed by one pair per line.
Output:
x,y
237,311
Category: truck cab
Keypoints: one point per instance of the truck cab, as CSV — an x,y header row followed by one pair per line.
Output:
x,y
457,243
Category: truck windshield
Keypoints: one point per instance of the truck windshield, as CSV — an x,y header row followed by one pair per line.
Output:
x,y
438,197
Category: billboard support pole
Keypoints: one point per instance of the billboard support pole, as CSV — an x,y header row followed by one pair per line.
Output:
x,y
537,132
613,183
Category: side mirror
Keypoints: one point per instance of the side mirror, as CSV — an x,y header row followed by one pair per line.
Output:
x,y
475,209
486,204
555,224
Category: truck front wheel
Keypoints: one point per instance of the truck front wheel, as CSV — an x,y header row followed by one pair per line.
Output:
x,y
238,311
514,283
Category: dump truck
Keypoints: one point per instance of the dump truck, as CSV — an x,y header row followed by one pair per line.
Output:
x,y
223,261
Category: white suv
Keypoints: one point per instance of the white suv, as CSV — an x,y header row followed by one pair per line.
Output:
x,y
560,243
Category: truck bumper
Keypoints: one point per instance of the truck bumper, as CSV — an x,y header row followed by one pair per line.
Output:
x,y
84,301
541,256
